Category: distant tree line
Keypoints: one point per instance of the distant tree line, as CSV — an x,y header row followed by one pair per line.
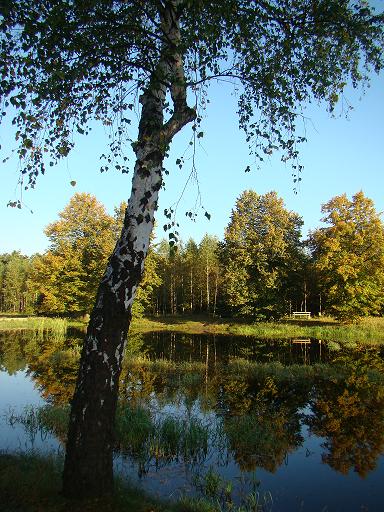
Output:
x,y
262,269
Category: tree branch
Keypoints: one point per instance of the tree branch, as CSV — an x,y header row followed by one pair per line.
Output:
x,y
173,61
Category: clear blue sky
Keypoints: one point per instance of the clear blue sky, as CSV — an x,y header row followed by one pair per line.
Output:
x,y
340,156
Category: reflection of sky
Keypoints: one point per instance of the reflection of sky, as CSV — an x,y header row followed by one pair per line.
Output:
x,y
17,392
302,483
307,484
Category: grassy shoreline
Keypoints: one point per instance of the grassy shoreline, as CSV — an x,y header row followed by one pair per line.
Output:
x,y
369,330
36,323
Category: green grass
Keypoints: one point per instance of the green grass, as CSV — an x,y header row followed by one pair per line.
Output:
x,y
369,330
40,324
138,433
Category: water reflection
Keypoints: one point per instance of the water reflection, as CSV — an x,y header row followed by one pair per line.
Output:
x,y
219,348
245,406
350,414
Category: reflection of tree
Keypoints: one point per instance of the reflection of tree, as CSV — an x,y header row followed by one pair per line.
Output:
x,y
138,383
263,438
12,357
350,415
260,403
54,368
261,422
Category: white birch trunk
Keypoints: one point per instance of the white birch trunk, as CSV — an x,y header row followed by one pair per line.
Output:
x,y
88,469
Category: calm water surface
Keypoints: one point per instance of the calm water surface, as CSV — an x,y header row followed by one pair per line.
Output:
x,y
300,421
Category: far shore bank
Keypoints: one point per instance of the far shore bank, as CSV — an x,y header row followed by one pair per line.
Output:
x,y
369,330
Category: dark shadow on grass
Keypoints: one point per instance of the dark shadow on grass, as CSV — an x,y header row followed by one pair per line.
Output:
x,y
182,319
31,482
210,320
310,323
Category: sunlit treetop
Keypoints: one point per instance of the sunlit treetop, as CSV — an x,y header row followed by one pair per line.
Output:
x,y
67,63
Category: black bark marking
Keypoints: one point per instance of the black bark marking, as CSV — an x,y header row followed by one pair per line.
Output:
x,y
143,201
139,218
98,321
156,187
155,156
128,265
147,218
143,172
123,274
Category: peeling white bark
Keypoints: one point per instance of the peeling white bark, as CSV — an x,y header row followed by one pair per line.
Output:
x,y
118,353
100,367
132,247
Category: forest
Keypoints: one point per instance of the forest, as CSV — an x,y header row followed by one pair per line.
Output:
x,y
262,269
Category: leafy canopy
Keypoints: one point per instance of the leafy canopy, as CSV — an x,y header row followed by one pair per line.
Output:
x,y
67,63
260,253
67,275
349,257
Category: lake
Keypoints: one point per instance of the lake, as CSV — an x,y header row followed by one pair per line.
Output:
x,y
296,424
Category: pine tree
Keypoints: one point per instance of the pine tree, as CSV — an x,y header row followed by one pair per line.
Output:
x,y
208,272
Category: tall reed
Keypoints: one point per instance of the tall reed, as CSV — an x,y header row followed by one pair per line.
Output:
x,y
41,325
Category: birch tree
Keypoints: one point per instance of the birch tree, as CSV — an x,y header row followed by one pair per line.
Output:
x,y
69,63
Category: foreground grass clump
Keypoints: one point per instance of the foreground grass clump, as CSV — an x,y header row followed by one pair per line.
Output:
x,y
32,482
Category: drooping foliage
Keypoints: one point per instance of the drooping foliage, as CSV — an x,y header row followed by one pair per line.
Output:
x,y
68,63
260,253
349,257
